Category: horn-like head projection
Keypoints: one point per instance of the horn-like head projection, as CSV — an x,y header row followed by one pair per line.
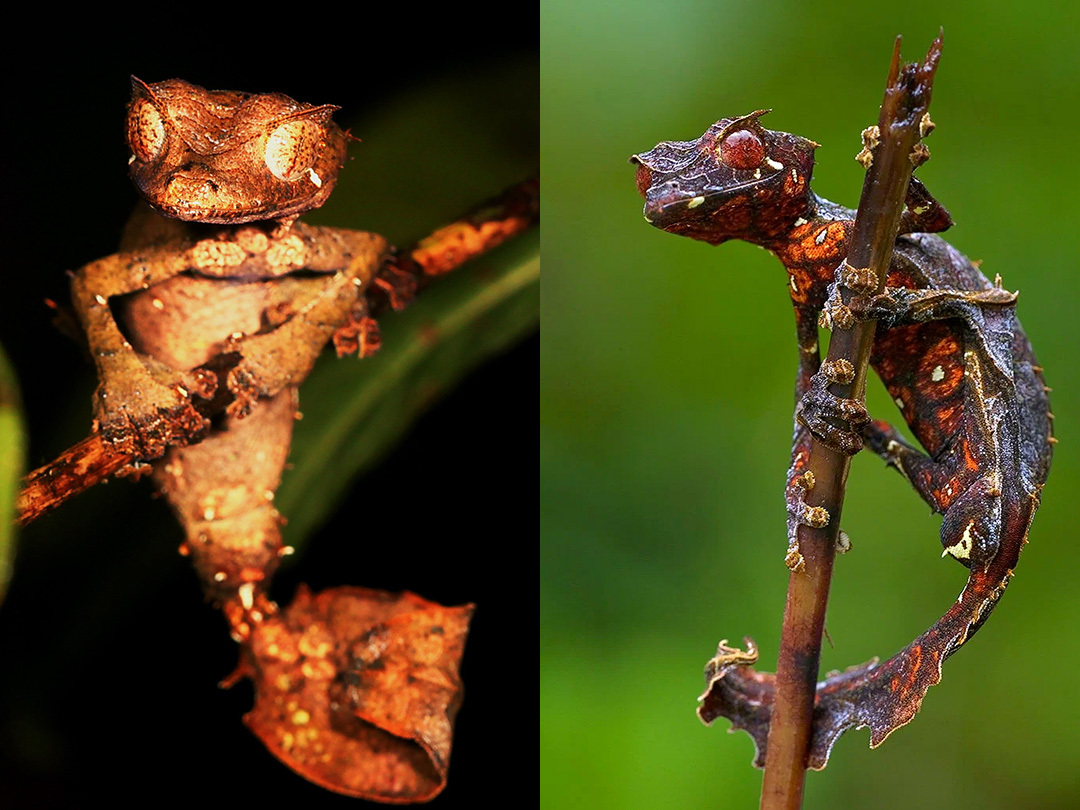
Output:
x,y
737,181
226,157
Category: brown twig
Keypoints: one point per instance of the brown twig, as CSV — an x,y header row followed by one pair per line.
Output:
x,y
901,125
488,225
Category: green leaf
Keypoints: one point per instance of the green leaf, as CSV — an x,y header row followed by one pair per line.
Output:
x,y
355,411
12,458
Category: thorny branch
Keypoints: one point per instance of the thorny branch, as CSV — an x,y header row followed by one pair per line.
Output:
x,y
488,225
901,125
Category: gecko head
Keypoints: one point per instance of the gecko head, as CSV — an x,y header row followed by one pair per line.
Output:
x,y
226,157
737,181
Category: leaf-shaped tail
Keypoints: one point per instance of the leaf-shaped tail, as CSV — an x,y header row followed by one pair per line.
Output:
x,y
882,697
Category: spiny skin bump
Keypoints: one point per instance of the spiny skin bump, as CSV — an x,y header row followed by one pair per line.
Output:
x,y
951,354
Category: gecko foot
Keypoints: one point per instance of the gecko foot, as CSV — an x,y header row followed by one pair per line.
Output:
x,y
836,421
359,335
146,421
801,514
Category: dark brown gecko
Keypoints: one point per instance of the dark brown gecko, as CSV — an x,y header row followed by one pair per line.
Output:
x,y
951,354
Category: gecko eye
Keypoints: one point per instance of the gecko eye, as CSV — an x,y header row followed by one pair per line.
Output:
x,y
742,149
146,131
291,149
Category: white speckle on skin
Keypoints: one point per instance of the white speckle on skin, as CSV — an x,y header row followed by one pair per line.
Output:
x,y
219,576
694,203
315,178
757,174
899,402
800,221
821,236
961,549
774,164
794,288
938,374
100,299
157,303
794,176
246,592
131,159
208,513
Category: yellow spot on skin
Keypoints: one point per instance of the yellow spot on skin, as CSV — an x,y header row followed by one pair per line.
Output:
x,y
938,374
158,303
300,717
219,576
208,513
694,203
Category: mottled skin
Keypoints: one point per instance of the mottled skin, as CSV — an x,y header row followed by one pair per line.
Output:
x,y
222,294
951,354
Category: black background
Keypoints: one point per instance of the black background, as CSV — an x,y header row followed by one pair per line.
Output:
x,y
108,677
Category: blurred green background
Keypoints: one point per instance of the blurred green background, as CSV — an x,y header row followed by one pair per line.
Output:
x,y
666,378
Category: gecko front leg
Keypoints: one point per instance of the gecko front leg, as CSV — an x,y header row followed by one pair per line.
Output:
x,y
282,356
141,406
837,421
799,479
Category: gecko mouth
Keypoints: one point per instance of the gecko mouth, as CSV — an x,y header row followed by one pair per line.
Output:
x,y
667,202
194,196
